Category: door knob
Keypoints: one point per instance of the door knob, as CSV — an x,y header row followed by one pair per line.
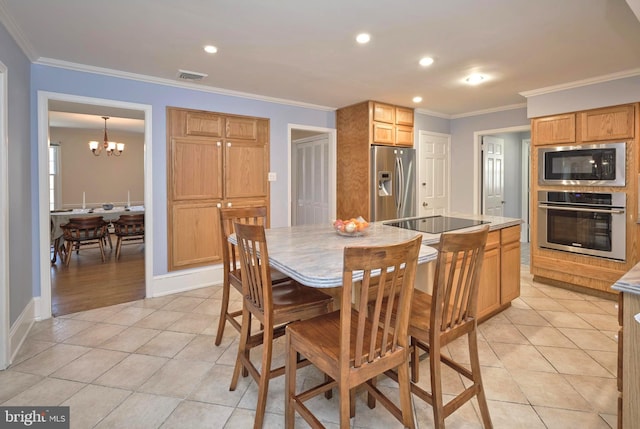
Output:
x,y
425,204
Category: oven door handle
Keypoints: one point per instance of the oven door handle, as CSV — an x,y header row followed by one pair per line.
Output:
x,y
580,209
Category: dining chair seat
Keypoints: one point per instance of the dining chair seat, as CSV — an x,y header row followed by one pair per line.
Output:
x,y
83,231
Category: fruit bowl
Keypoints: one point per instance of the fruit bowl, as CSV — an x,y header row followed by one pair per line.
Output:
x,y
354,227
107,206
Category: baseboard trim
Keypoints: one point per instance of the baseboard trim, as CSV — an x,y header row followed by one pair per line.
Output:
x,y
185,280
21,327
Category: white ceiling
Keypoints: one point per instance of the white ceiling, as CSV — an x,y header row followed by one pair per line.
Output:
x,y
304,51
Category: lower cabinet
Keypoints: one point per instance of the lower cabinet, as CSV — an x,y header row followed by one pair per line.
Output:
x,y
629,364
500,278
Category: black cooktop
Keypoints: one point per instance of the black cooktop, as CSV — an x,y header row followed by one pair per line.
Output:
x,y
436,224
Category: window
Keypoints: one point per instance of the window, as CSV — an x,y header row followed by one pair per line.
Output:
x,y
54,176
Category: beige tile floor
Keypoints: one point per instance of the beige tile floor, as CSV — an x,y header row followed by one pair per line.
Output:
x,y
549,361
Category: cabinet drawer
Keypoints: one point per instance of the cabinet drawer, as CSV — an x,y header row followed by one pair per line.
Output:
x,y
555,129
493,240
607,124
509,235
383,113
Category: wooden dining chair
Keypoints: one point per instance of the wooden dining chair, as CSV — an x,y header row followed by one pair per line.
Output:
x,y
356,344
273,307
128,228
232,275
447,314
83,231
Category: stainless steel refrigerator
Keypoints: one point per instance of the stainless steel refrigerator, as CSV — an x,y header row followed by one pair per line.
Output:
x,y
393,181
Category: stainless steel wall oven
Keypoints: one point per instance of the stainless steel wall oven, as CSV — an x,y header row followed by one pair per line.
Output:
x,y
584,165
583,222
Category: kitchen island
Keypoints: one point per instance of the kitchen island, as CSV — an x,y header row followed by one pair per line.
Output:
x,y
629,347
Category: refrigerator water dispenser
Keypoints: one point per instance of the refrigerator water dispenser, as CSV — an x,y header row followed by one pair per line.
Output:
x,y
385,184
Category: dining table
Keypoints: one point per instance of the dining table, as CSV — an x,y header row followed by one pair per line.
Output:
x,y
313,254
61,217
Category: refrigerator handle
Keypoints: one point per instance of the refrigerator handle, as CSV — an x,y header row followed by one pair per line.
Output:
x,y
400,180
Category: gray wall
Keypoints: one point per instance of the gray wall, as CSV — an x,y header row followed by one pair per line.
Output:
x,y
21,288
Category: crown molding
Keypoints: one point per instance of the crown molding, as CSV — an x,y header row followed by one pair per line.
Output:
x,y
491,110
580,83
168,82
433,113
17,34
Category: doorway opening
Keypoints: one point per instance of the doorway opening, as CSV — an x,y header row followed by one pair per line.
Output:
x,y
515,192
312,173
5,344
48,104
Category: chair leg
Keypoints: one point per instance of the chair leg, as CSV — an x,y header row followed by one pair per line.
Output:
x,y
404,388
224,309
101,244
68,253
242,348
289,383
263,385
477,379
118,247
436,386
346,402
415,361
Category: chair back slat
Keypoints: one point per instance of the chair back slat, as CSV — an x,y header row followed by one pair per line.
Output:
x,y
457,278
84,228
244,215
254,257
129,225
391,269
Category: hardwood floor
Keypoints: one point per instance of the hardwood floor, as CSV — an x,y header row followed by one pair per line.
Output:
x,y
89,283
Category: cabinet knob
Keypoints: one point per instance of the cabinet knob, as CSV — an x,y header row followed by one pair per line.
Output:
x,y
228,204
219,205
218,144
228,144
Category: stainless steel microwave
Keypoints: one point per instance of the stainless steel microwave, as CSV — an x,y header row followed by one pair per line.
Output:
x,y
584,165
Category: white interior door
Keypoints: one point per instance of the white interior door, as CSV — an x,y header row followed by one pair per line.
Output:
x,y
433,174
493,177
311,184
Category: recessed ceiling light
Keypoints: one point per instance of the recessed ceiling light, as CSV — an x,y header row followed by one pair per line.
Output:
x,y
363,38
417,99
426,61
475,79
210,49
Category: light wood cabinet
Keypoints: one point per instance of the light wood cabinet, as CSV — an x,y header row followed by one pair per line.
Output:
x,y
214,160
554,129
509,264
629,366
500,278
358,128
608,124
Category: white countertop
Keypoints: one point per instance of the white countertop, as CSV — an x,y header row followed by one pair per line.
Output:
x,y
630,282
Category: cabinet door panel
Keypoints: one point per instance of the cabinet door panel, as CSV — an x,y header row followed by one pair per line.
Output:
x,y
383,133
383,113
241,128
404,116
203,124
195,229
404,136
607,124
489,289
555,129
196,166
245,169
510,272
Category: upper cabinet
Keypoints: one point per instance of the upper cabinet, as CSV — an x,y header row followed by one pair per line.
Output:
x,y
390,125
608,124
554,129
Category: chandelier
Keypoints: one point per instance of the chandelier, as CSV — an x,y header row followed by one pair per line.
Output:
x,y
112,148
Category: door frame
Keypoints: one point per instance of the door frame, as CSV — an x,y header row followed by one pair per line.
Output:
x,y
5,308
525,235
477,159
44,310
332,134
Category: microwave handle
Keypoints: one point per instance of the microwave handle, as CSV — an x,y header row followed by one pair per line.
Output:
x,y
579,209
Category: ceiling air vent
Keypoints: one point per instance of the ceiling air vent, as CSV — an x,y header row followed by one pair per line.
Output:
x,y
190,75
